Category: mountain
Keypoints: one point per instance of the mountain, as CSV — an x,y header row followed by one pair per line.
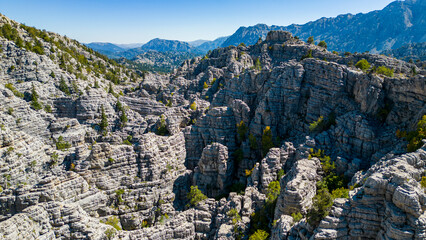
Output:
x,y
413,51
281,139
105,48
210,45
197,43
162,62
130,45
163,45
249,35
399,23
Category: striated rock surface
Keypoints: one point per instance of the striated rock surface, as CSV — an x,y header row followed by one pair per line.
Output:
x,y
92,150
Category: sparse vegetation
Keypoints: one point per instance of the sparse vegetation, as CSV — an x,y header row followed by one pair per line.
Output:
x,y
242,131
114,222
321,125
385,71
310,40
193,106
257,65
35,104
259,235
233,214
322,44
267,142
296,217
423,182
414,138
363,64
104,121
61,144
195,196
162,128
13,89
308,55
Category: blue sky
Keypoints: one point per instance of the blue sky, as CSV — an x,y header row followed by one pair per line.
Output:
x,y
132,21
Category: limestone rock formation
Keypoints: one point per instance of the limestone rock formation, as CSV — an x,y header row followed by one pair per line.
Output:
x,y
90,149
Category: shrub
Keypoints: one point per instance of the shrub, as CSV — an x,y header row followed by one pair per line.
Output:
x,y
415,138
64,87
248,172
363,64
195,196
10,111
322,44
281,173
242,131
385,71
321,125
310,40
123,118
61,144
162,129
104,121
242,45
114,222
322,203
258,65
96,84
253,142
13,89
259,235
308,55
110,233
267,142
273,191
316,125
239,155
34,99
169,103
119,193
296,217
48,108
233,214
205,85
193,106
340,193
423,182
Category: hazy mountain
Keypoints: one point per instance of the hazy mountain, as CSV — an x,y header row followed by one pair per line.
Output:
x,y
163,45
398,23
130,45
210,45
104,47
197,43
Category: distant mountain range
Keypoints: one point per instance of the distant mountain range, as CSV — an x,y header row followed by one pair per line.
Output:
x,y
398,24
412,51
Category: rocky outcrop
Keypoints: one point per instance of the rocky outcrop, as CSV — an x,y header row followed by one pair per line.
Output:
x,y
104,152
214,171
389,205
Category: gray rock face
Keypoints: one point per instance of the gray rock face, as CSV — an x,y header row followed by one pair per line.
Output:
x,y
208,130
71,170
214,171
389,205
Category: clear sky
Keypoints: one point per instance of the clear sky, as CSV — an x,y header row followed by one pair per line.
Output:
x,y
132,21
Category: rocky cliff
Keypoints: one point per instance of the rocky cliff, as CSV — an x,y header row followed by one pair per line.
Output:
x,y
247,141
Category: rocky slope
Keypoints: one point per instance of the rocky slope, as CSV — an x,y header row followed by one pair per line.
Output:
x,y
398,23
113,155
